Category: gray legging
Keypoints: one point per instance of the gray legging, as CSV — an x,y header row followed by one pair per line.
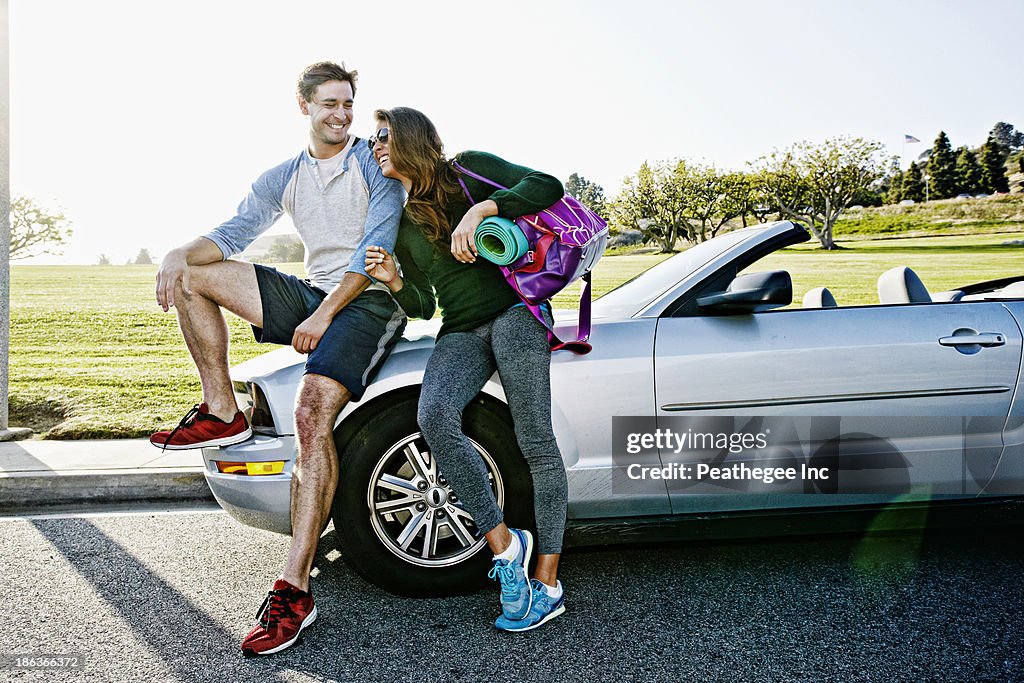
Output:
x,y
516,345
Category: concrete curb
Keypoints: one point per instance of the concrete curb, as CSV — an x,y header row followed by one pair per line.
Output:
x,y
39,475
21,491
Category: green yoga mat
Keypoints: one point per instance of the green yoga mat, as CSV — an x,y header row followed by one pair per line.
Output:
x,y
500,241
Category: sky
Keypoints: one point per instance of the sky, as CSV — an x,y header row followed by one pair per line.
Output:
x,y
146,123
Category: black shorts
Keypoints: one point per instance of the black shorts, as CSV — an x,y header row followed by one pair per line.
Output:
x,y
356,343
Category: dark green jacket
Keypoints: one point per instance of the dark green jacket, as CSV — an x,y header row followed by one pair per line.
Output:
x,y
469,295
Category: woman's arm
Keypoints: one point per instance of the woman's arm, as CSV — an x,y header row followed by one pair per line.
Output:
x,y
411,289
528,192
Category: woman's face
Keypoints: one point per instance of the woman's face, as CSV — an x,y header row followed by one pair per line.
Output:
x,y
382,154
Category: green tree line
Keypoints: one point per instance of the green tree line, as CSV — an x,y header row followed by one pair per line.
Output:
x,y
672,202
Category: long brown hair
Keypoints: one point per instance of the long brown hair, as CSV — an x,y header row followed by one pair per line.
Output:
x,y
416,151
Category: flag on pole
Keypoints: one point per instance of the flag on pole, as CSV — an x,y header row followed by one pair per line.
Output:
x,y
910,138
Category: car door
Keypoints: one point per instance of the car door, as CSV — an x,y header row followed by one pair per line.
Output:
x,y
588,392
931,384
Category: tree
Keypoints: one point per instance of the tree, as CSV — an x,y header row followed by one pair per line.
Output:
x,y
591,195
895,193
892,183
968,171
654,202
913,183
750,198
813,184
713,198
942,169
1009,139
286,249
993,172
873,195
143,258
104,260
35,231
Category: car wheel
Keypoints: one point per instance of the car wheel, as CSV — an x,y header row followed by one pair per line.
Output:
x,y
400,525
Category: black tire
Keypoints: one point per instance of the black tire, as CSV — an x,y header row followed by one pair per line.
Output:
x,y
371,539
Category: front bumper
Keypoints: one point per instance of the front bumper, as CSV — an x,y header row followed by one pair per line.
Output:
x,y
263,501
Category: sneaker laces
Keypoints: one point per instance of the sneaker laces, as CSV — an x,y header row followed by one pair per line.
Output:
x,y
506,573
275,608
191,416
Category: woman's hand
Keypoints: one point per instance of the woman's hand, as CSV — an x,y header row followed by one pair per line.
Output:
x,y
463,245
381,267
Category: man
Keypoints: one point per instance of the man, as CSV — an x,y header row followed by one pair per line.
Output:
x,y
345,322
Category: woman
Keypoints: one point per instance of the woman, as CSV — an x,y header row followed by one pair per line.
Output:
x,y
484,328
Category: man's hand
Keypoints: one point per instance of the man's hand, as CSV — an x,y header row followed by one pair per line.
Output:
x,y
380,265
173,269
308,333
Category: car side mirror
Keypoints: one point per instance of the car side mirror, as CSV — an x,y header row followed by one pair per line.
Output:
x,y
751,293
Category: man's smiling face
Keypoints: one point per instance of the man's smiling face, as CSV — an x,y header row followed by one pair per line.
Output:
x,y
330,112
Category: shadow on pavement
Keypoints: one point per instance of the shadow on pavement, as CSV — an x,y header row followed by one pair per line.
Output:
x,y
188,641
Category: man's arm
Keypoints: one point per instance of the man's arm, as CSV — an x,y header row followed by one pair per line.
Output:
x,y
175,265
258,211
387,200
308,333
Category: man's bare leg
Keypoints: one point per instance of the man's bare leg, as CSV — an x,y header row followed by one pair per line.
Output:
x,y
228,284
315,476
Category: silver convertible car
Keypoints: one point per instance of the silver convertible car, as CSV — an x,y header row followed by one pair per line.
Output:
x,y
915,400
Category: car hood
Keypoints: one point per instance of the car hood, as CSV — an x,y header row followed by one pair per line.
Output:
x,y
418,334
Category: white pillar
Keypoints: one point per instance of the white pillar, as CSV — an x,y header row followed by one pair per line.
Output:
x,y
6,434
5,208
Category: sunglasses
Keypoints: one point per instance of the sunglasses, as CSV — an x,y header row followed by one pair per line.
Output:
x,y
380,136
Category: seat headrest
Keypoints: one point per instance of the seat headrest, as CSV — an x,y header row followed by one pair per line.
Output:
x,y
819,297
901,285
1014,290
951,295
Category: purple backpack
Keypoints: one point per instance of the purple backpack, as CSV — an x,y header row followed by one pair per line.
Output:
x,y
566,241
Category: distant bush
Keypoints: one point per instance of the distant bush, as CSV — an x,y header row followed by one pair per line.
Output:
x,y
626,238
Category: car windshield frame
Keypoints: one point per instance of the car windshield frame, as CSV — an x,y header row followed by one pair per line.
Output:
x,y
632,296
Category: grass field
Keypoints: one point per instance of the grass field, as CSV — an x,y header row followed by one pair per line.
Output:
x,y
93,356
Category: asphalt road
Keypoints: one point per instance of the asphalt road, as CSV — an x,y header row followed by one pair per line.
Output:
x,y
167,597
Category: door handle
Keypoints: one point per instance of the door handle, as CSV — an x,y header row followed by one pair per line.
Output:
x,y
983,339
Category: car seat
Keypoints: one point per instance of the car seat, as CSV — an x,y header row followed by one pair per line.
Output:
x,y
901,285
819,297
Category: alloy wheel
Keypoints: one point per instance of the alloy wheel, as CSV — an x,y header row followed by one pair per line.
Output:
x,y
413,510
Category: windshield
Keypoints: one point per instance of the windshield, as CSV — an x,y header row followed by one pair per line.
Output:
x,y
634,294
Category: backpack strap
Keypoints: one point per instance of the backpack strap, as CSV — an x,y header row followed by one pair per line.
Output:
x,y
463,170
579,346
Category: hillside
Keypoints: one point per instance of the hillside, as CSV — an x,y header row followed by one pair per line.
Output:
x,y
1001,213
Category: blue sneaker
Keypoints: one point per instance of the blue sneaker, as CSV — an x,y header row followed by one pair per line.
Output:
x,y
516,595
544,609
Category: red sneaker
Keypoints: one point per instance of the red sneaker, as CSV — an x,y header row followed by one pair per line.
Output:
x,y
199,428
283,616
